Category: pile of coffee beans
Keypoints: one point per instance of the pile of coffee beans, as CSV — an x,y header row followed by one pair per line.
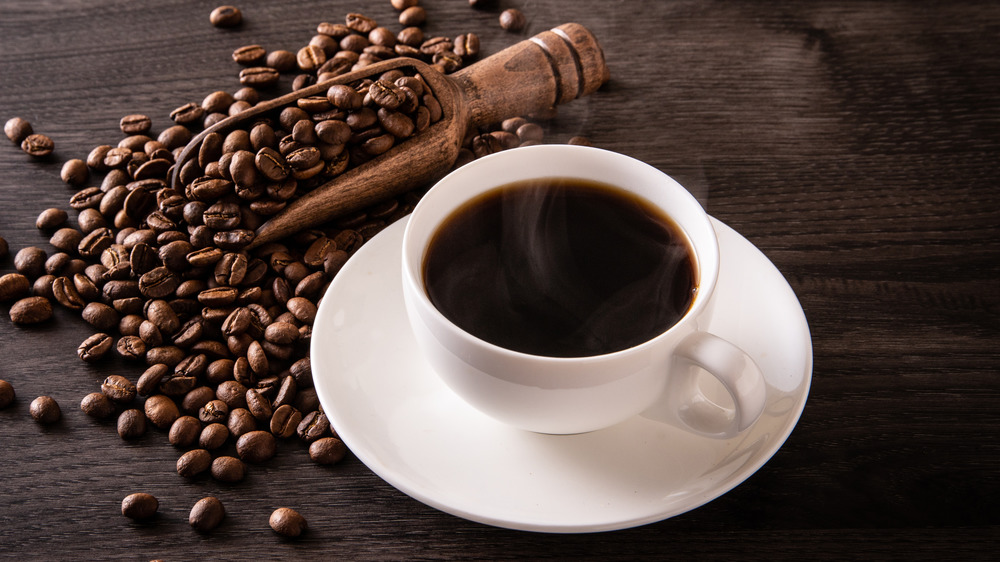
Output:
x,y
219,334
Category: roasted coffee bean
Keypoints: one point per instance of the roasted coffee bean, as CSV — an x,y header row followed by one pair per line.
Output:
x,y
310,57
256,446
232,393
188,114
467,45
219,371
286,395
303,309
259,77
207,514
158,283
513,20
135,124
285,421
118,389
226,16
213,436
37,145
281,333
97,405
6,394
328,450
150,334
240,421
287,522
42,287
140,506
17,129
163,315
313,426
161,410
13,286
177,385
95,347
129,325
30,261
215,411
208,188
150,379
228,469
142,259
184,431
235,239
230,269
95,242
50,219
249,55
196,398
45,410
131,348
193,463
131,424
65,293
193,366
258,405
257,359
281,60
31,310
92,219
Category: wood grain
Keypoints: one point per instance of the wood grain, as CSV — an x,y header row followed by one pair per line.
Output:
x,y
854,142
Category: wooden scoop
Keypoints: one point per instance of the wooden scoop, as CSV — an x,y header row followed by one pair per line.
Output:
x,y
550,68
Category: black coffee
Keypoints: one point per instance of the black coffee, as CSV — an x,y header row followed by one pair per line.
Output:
x,y
560,267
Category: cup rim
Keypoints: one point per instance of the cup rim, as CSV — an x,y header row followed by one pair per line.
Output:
x,y
706,258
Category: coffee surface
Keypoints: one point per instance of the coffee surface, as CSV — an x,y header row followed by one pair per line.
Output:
x,y
560,267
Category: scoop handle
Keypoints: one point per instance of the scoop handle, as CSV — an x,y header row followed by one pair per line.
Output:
x,y
534,75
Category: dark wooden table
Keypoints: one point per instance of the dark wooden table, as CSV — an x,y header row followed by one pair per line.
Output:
x,y
857,144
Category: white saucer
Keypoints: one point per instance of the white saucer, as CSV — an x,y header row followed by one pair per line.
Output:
x,y
406,426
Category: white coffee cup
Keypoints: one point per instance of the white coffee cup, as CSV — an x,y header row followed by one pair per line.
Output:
x,y
563,395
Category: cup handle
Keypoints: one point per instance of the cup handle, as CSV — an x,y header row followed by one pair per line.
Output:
x,y
685,404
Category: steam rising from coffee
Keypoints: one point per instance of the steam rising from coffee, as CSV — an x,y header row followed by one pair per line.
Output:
x,y
560,267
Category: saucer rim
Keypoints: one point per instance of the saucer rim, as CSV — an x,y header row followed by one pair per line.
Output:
x,y
401,483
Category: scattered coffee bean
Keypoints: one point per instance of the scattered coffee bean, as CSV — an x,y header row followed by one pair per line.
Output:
x,y
140,506
256,446
228,469
17,129
74,172
45,410
30,261
513,20
413,16
37,145
97,405
6,394
118,389
13,286
207,514
285,421
95,347
226,16
213,436
184,431
31,310
328,450
287,522
161,410
193,463
131,424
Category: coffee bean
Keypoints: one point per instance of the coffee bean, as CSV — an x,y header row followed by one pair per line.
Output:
x,y
131,348
259,77
65,293
74,172
281,60
256,446
31,310
140,506
241,421
45,410
285,421
328,450
6,394
258,405
95,347
413,16
184,431
228,469
37,145
161,410
131,424
287,522
215,411
226,16
249,55
118,389
17,129
30,261
13,286
213,436
193,463
135,124
313,426
302,309
97,405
